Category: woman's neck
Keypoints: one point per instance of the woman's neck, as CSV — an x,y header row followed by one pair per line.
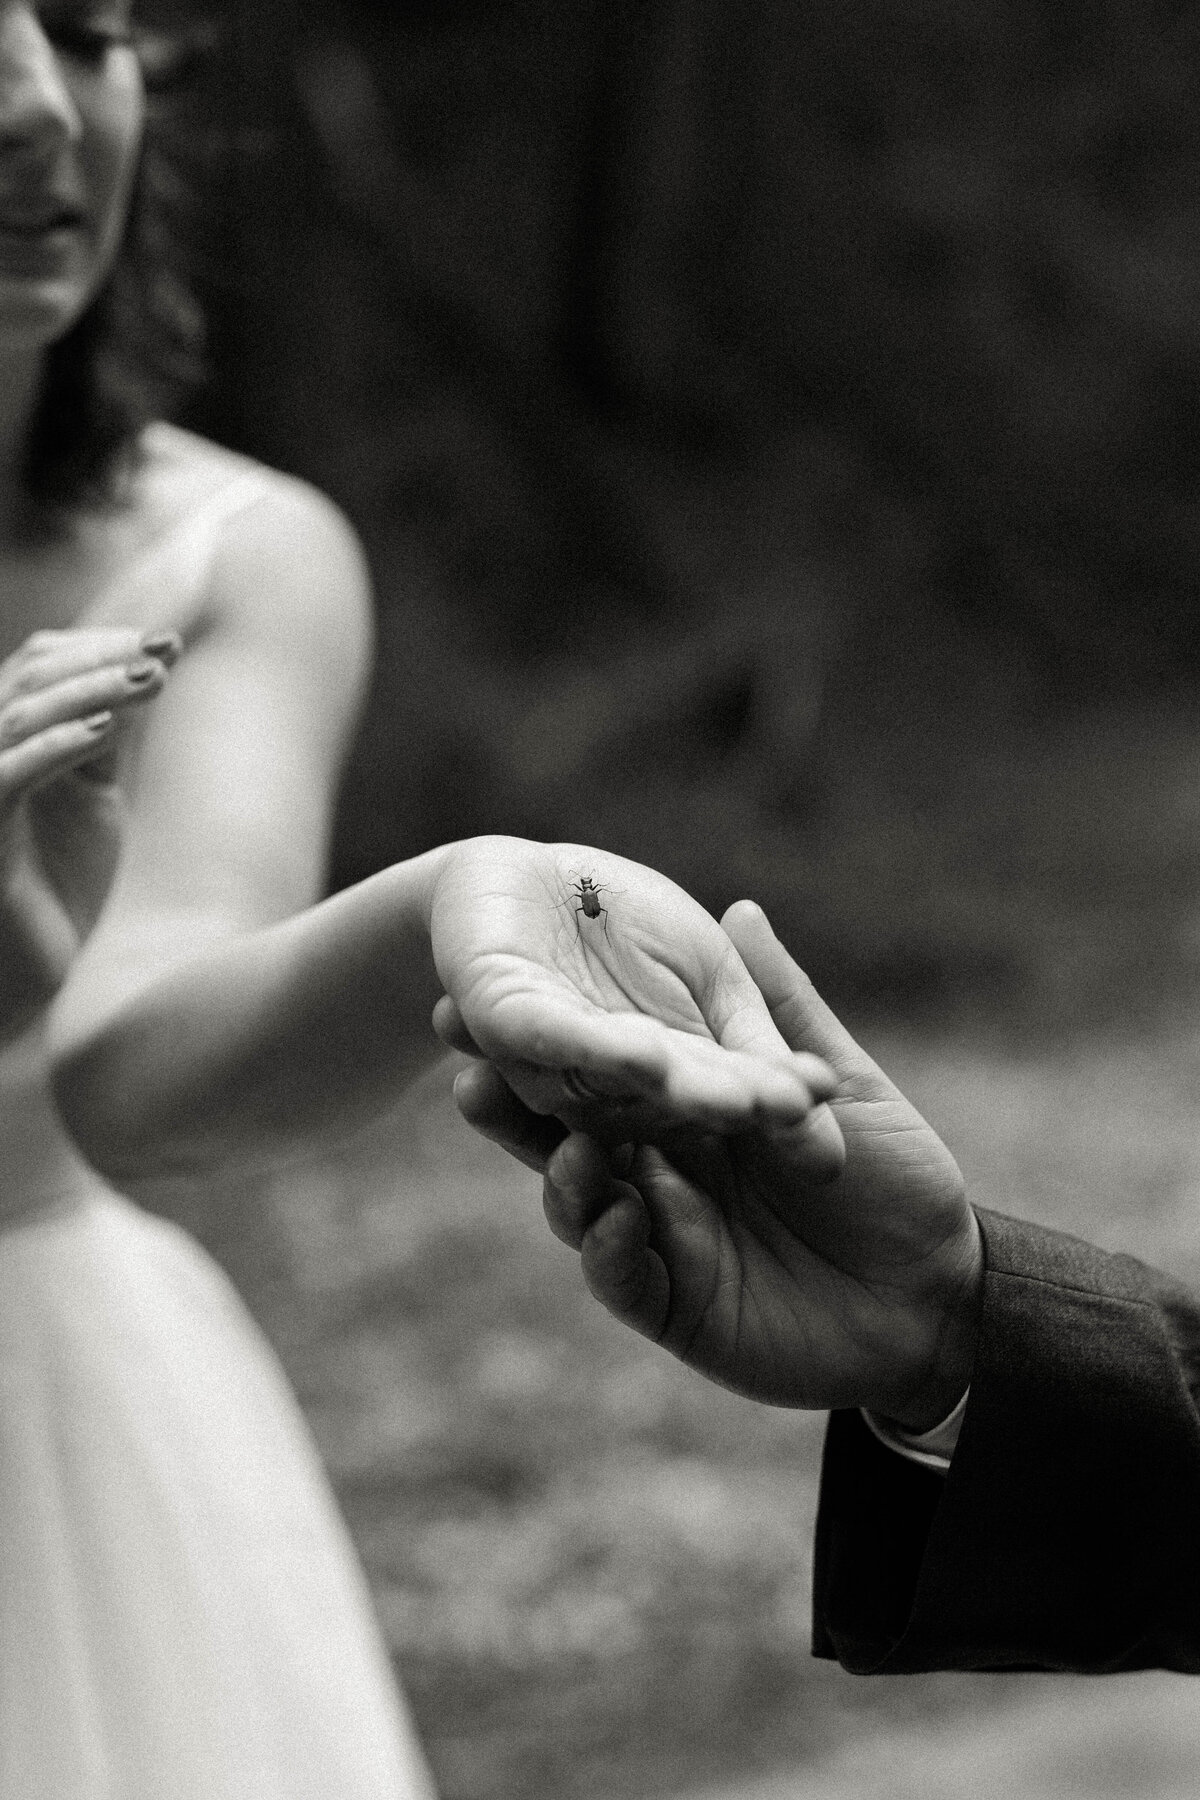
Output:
x,y
20,378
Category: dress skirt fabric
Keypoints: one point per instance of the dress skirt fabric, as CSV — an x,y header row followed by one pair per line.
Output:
x,y
182,1616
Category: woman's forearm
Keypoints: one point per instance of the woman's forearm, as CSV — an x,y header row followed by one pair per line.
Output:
x,y
242,1053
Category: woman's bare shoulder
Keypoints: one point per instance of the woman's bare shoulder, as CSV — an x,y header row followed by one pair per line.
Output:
x,y
235,528
280,560
182,474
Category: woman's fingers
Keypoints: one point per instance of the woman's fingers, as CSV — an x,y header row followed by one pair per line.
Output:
x,y
50,753
449,1025
79,696
59,694
731,1090
48,657
626,1060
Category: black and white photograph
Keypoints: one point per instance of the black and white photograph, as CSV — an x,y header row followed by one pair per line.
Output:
x,y
599,900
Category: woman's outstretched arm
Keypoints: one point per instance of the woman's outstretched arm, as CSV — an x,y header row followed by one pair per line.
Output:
x,y
217,1017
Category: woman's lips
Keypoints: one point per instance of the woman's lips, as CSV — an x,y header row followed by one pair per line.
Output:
x,y
37,247
36,213
31,223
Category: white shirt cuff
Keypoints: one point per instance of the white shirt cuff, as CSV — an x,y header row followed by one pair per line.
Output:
x,y
932,1449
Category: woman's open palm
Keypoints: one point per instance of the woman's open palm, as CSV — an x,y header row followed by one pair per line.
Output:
x,y
611,999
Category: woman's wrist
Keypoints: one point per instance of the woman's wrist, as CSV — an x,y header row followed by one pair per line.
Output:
x,y
414,882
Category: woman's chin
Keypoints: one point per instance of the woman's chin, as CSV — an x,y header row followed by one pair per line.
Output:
x,y
35,313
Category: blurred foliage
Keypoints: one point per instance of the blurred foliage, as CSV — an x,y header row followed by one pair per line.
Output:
x,y
685,366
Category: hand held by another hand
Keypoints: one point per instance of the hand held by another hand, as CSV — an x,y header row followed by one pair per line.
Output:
x,y
851,1287
626,1025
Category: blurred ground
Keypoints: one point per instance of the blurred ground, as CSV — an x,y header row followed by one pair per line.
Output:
x,y
593,1569
1142,1740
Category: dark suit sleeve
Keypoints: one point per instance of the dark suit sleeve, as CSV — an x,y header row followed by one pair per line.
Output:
x,y
1066,1534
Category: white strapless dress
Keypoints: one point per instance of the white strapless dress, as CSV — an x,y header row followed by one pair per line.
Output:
x,y
182,1616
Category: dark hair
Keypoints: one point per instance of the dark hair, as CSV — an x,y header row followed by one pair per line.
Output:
x,y
138,348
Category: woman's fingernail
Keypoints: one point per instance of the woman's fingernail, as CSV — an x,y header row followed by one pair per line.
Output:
x,y
165,646
142,671
99,722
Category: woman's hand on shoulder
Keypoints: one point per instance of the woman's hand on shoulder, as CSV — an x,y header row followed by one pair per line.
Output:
x,y
232,788
63,698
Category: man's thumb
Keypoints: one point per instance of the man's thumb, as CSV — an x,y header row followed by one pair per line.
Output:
x,y
802,1017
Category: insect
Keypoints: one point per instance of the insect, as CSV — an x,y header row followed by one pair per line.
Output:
x,y
588,895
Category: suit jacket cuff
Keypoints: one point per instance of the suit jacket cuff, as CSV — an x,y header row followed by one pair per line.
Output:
x,y
1066,1534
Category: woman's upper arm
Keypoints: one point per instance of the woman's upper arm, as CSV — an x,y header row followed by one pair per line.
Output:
x,y
232,783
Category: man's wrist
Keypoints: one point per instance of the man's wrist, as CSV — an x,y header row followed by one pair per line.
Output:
x,y
952,1363
931,1449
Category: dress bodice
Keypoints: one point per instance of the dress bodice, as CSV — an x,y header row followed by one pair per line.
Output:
x,y
182,1608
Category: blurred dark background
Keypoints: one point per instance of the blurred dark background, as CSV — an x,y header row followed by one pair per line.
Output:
x,y
774,428
753,413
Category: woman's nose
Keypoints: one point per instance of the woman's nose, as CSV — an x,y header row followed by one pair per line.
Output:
x,y
38,115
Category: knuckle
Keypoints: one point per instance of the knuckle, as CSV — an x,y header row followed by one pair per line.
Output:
x,y
25,670
26,680
12,724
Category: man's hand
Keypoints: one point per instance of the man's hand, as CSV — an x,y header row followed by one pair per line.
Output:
x,y
860,1290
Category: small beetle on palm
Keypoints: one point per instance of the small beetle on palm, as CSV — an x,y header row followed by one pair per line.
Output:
x,y
588,893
